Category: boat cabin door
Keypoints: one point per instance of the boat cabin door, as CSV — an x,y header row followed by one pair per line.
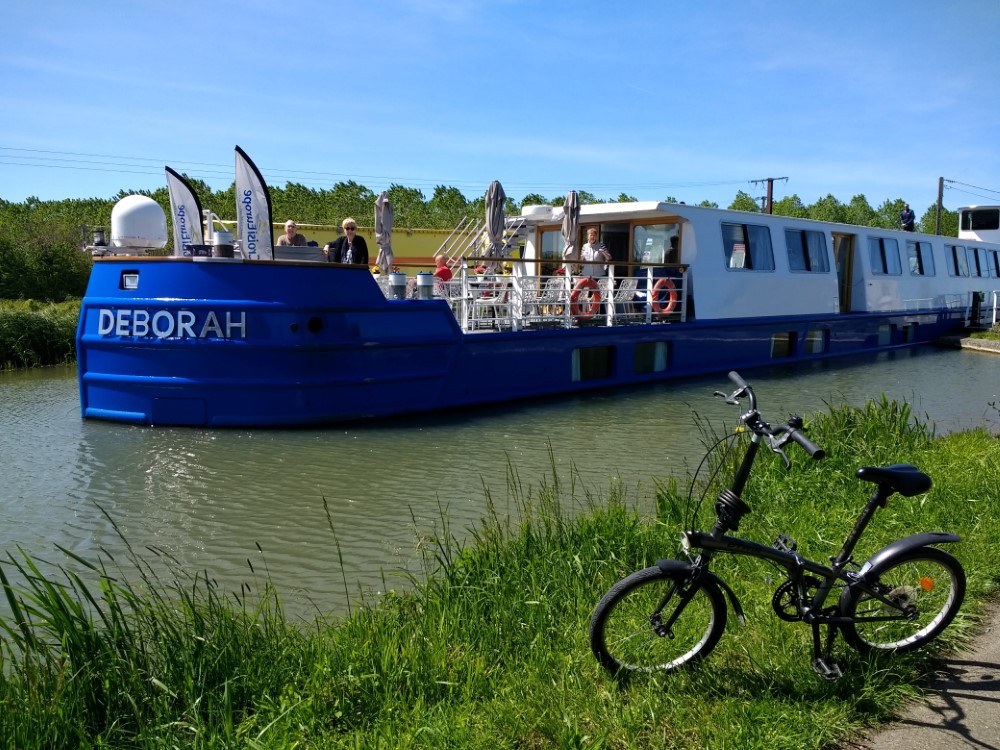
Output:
x,y
843,255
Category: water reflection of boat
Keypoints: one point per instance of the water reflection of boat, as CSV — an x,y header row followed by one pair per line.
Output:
x,y
243,342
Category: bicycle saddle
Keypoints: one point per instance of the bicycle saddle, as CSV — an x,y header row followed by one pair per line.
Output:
x,y
905,479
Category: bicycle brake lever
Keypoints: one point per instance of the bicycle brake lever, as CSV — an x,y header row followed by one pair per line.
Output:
x,y
731,398
777,447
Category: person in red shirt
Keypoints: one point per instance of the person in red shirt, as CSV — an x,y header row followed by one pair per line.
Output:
x,y
442,271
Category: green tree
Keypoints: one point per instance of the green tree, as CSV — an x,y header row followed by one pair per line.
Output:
x,y
354,200
828,209
949,221
790,206
744,202
859,212
222,202
887,215
408,206
447,207
534,199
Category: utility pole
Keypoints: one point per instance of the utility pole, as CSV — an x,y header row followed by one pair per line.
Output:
x,y
770,190
937,213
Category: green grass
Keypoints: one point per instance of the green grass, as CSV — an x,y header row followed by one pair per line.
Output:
x,y
35,334
991,335
488,649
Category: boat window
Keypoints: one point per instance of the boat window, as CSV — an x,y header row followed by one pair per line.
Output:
x,y
748,247
592,363
656,243
782,344
650,357
958,263
975,267
883,253
817,340
993,258
552,248
982,262
920,258
980,218
807,251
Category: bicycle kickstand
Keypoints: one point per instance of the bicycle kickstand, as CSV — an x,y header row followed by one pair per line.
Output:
x,y
823,663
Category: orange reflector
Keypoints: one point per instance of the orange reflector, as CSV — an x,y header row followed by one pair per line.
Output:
x,y
926,583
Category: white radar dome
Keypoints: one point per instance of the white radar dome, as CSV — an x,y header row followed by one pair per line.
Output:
x,y
138,221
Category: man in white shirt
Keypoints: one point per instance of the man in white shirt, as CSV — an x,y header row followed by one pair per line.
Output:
x,y
591,255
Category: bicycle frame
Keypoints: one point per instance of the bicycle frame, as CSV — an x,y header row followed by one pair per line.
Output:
x,y
730,508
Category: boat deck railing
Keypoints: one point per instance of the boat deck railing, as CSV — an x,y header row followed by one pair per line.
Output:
x,y
497,302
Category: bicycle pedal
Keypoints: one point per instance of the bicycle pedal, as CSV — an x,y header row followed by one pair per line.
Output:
x,y
827,669
785,543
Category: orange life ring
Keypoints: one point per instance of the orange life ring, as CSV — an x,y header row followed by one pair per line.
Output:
x,y
582,310
667,307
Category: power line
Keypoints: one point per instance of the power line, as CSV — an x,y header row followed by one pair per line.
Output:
x,y
975,187
969,192
83,161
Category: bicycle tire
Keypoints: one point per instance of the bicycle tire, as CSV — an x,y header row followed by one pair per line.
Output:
x,y
623,635
927,577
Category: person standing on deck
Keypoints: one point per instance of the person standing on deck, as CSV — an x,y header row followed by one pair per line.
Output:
x,y
592,253
906,218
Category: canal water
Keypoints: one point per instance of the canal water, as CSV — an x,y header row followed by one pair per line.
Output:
x,y
219,501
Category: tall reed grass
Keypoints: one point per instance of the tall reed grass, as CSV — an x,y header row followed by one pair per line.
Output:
x,y
488,648
35,334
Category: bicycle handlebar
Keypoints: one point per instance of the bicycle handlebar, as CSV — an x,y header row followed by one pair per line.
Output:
x,y
739,381
792,433
780,435
814,451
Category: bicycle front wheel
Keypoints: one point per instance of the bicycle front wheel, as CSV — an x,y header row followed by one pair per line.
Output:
x,y
919,594
653,620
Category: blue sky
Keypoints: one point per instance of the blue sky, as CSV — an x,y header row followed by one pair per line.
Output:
x,y
653,99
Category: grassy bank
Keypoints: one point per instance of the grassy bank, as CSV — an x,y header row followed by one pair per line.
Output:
x,y
991,335
35,334
490,649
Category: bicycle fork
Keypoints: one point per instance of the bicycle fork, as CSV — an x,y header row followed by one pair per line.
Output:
x,y
693,574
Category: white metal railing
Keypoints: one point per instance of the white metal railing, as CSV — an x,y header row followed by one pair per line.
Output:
x,y
462,240
492,301
466,241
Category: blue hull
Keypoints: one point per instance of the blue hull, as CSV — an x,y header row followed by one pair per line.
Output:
x,y
171,341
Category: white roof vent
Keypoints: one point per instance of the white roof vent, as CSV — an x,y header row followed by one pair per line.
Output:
x,y
138,221
536,212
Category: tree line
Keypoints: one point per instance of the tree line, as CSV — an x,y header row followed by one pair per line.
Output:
x,y
40,240
444,209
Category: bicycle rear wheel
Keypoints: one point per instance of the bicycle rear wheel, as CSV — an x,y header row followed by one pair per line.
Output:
x,y
927,582
628,630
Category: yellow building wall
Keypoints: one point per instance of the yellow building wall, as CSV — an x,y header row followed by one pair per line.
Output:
x,y
411,248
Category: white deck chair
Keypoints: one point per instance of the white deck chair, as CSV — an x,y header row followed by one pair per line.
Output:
x,y
625,296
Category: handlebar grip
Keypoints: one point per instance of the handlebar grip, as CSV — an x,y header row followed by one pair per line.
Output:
x,y
737,380
808,445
